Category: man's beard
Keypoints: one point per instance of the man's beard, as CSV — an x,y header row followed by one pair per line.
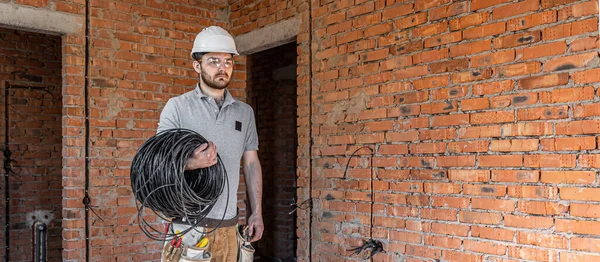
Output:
x,y
212,83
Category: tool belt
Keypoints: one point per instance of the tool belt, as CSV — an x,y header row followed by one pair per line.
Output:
x,y
193,246
210,222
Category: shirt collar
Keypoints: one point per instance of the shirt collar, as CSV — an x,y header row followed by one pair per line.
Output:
x,y
228,98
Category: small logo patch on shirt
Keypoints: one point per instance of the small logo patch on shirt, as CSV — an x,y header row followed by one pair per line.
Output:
x,y
238,126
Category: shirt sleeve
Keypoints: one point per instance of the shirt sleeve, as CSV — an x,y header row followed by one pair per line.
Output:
x,y
169,117
251,134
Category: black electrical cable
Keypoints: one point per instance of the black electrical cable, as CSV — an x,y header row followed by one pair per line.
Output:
x,y
375,245
160,182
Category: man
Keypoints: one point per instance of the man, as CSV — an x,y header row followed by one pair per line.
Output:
x,y
230,127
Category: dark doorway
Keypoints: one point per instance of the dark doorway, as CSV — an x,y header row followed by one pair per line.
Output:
x,y
272,88
31,142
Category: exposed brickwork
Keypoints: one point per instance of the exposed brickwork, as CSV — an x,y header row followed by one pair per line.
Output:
x,y
32,59
274,102
483,115
486,132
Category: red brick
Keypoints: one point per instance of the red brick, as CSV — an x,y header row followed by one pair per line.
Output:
x,y
402,136
528,221
529,253
584,44
484,247
410,47
493,204
442,188
448,161
474,104
480,4
439,241
569,62
484,190
450,92
570,29
542,208
430,82
542,240
396,62
493,87
578,193
412,97
578,127
493,58
542,113
450,120
411,72
549,161
500,160
421,5
449,66
519,176
468,146
569,143
527,68
564,256
485,30
448,11
499,234
516,40
537,192
471,76
585,210
443,39
375,55
553,3
366,20
586,77
394,12
531,20
568,177
452,202
492,117
432,29
380,29
360,10
428,148
470,48
479,217
516,9
410,21
428,174
578,10
569,95
585,244
439,107
479,132
438,214
515,145
514,100
469,175
428,56
449,229
437,134
527,129
349,37
409,110
469,20
578,226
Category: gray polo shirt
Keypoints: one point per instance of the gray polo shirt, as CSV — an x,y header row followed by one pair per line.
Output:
x,y
232,129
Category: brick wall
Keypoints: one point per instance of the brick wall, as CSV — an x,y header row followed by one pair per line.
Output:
x,y
35,191
483,116
272,94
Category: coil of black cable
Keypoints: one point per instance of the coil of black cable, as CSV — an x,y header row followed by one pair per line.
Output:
x,y
160,182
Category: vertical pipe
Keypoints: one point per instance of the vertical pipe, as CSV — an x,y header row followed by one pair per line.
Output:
x,y
310,137
86,198
6,170
39,241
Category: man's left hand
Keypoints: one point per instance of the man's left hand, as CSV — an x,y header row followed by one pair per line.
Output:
x,y
255,227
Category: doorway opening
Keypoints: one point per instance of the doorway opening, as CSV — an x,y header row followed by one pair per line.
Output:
x,y
31,143
271,85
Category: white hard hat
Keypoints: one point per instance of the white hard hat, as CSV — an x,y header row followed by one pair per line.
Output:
x,y
214,39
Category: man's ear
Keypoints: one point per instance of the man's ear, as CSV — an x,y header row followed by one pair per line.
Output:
x,y
197,66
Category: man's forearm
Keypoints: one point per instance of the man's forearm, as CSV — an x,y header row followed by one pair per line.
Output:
x,y
253,174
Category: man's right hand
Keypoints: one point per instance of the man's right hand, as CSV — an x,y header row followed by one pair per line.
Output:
x,y
204,156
